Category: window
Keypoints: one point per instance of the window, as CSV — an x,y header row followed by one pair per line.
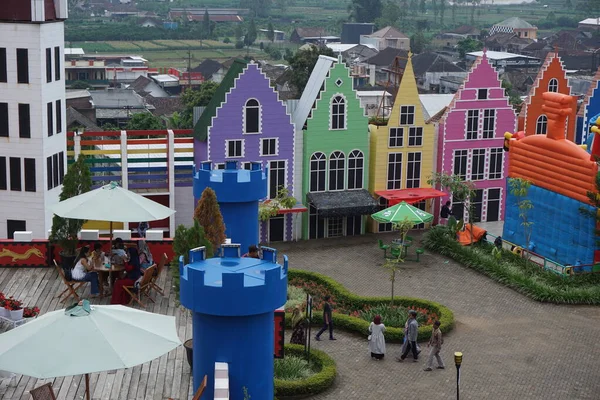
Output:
x,y
29,174
3,71
472,123
22,66
15,174
553,85
55,170
234,148
355,169
394,178
220,166
542,125
276,177
24,121
61,166
478,165
460,163
396,137
489,123
58,116
338,113
57,63
482,94
407,115
496,161
3,119
318,166
493,205
336,170
415,136
247,165
49,180
3,181
477,203
335,226
252,116
268,147
413,171
49,64
13,226
50,119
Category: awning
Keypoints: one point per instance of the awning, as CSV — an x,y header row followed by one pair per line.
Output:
x,y
410,196
344,203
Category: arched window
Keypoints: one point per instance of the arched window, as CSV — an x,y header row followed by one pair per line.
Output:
x,y
542,125
356,162
338,113
318,167
252,116
336,171
553,85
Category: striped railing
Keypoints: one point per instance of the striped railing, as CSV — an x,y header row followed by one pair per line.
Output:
x,y
221,381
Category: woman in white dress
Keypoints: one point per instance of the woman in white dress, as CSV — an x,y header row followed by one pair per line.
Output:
x,y
84,271
377,340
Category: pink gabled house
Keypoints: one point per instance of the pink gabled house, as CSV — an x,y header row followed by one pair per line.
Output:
x,y
471,140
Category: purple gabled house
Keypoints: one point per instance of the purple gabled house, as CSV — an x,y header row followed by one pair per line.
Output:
x,y
245,121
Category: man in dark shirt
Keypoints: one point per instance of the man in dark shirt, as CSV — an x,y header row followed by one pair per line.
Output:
x,y
445,213
327,320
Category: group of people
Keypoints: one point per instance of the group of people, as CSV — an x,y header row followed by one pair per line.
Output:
x,y
134,260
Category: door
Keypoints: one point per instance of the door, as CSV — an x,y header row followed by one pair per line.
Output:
x,y
276,228
493,205
316,225
477,205
458,211
353,225
13,226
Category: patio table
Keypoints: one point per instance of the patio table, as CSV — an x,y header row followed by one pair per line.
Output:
x,y
102,271
405,245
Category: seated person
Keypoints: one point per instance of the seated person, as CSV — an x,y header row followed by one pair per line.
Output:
x,y
132,273
146,259
98,256
84,271
253,252
118,255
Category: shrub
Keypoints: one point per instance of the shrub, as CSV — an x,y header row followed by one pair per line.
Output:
x,y
295,296
516,272
292,368
317,383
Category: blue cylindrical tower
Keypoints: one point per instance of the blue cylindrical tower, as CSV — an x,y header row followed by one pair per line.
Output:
x,y
233,300
238,193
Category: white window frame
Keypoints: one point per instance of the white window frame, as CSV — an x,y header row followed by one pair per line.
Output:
x,y
395,180
244,126
276,169
315,160
481,155
407,111
463,154
344,115
489,133
229,143
553,85
413,163
415,133
340,156
541,125
496,154
262,147
470,134
356,155
396,137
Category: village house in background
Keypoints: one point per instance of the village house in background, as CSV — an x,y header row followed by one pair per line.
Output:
x,y
386,37
516,25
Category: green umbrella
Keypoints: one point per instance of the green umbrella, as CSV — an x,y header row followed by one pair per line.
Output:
x,y
400,212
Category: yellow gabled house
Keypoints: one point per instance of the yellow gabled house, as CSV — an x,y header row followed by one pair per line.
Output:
x,y
402,152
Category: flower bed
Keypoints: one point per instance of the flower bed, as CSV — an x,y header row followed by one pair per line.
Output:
x,y
324,374
13,309
354,313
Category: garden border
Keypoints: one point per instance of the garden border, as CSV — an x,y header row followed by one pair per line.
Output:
x,y
360,326
314,384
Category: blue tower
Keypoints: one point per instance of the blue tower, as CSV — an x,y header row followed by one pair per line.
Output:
x,y
238,193
233,300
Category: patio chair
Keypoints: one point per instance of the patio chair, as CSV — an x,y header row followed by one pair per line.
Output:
x,y
396,251
72,286
383,247
44,392
156,275
136,294
419,252
201,389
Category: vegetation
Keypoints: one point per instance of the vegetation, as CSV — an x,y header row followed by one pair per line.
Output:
x,y
468,45
270,208
516,272
196,98
461,191
303,63
296,296
365,10
208,215
144,122
519,188
292,368
76,181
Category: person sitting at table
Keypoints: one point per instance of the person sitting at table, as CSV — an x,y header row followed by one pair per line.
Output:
x,y
98,256
146,259
84,271
118,255
133,272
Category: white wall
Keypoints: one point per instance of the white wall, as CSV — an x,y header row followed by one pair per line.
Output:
x,y
184,204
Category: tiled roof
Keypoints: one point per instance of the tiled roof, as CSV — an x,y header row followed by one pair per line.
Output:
x,y
515,23
465,30
433,62
75,116
389,33
207,68
386,57
310,32
165,105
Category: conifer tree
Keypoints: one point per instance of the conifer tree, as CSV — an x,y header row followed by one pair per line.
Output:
x,y
208,215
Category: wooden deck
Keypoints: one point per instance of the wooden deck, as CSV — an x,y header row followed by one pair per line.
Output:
x,y
163,378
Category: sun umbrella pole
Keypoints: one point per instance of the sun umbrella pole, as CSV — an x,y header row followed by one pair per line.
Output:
x,y
87,383
111,233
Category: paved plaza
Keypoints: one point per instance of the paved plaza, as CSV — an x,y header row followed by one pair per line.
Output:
x,y
514,348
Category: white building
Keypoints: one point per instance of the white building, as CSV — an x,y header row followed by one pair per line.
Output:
x,y
32,113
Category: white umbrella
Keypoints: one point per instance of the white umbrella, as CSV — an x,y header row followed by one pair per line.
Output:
x,y
96,338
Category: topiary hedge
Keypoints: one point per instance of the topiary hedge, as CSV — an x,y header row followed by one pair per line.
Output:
x,y
516,272
312,385
360,326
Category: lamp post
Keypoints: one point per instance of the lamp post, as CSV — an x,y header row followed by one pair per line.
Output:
x,y
458,361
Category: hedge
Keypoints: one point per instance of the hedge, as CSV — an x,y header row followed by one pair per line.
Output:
x,y
516,272
360,326
312,385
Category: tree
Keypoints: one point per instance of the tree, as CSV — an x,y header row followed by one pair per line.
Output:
x,y
435,10
467,46
392,265
175,121
442,11
208,215
251,34
196,98
390,15
206,25
519,188
282,5
365,10
302,64
417,42
568,4
258,8
77,180
238,32
144,122
270,32
422,7
184,240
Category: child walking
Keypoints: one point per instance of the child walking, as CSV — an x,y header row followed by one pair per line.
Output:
x,y
435,344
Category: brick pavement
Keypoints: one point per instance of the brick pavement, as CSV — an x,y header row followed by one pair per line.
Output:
x,y
514,348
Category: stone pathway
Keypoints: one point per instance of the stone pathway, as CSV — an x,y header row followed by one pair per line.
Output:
x,y
514,348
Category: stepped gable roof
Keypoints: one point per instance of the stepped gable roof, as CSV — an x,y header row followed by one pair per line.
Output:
x,y
205,121
386,57
433,62
589,94
515,23
388,33
207,68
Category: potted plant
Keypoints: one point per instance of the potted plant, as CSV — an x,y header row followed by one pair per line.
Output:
x,y
77,180
15,308
189,351
3,311
30,312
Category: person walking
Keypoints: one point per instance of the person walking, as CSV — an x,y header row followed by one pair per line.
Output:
x,y
411,332
445,213
435,344
377,339
327,320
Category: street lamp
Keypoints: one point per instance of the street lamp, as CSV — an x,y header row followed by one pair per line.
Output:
x,y
458,361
